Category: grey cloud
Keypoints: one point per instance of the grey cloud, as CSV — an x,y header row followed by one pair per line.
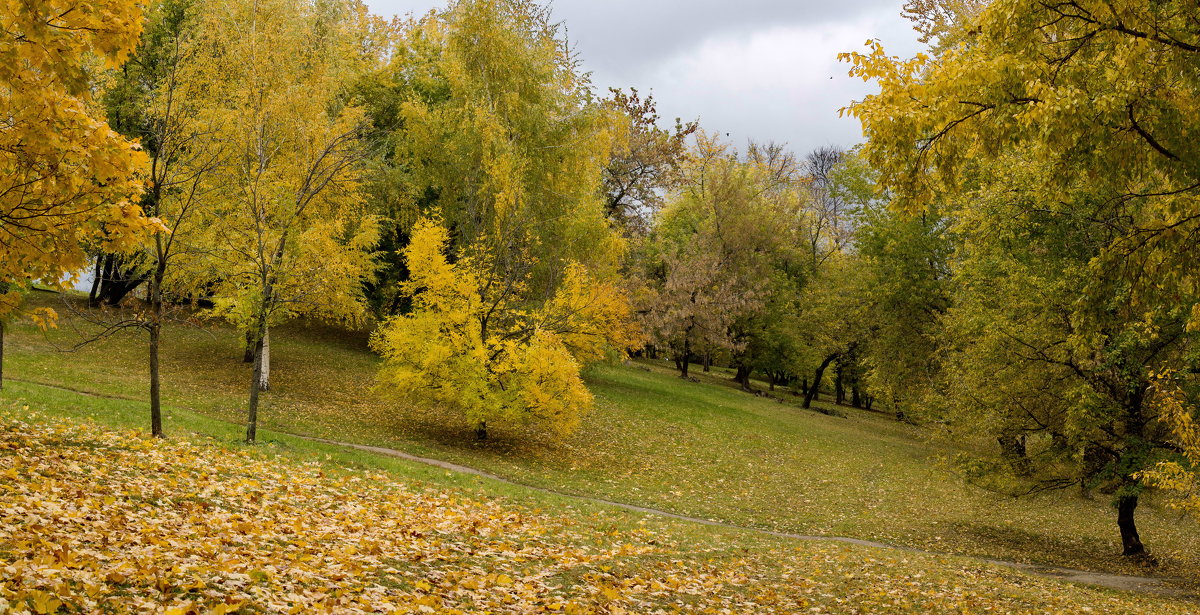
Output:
x,y
619,34
695,57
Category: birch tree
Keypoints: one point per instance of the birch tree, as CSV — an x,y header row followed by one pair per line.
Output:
x,y
285,225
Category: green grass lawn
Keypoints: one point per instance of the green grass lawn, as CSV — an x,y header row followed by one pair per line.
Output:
x,y
703,449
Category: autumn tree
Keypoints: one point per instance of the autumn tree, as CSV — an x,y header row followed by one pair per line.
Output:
x,y
503,138
283,219
692,305
66,178
498,135
476,344
646,163
159,98
716,246
1056,130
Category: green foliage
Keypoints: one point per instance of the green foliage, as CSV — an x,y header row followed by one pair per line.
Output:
x,y
907,266
1052,135
499,135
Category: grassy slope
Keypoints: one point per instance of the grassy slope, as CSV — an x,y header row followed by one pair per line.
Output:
x,y
96,520
654,440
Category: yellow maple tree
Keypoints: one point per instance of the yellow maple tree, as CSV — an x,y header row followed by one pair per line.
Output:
x,y
66,178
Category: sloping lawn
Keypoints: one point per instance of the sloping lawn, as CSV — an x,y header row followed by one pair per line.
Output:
x,y
697,449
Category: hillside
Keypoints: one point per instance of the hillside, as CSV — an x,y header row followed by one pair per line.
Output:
x,y
98,520
702,450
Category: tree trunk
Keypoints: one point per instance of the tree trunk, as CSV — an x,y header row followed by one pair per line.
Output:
x,y
804,386
707,362
839,386
264,377
255,378
104,265
92,300
742,376
816,383
855,394
248,356
1131,543
481,431
156,428
1012,448
117,282
683,361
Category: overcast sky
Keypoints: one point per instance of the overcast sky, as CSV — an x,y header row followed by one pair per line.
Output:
x,y
765,70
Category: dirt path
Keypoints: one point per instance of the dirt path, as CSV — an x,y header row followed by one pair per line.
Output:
x,y
1147,585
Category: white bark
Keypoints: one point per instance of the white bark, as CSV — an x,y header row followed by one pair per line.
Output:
x,y
264,381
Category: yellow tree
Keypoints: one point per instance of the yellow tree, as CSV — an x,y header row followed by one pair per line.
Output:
x,y
285,229
66,178
497,131
474,344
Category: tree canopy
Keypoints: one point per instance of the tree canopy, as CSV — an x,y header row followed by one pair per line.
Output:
x,y
1054,136
67,180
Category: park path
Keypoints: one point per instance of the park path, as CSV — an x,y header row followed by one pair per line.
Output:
x,y
1146,585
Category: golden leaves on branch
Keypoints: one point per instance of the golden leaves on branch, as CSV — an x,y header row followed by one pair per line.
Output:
x,y
1178,476
66,178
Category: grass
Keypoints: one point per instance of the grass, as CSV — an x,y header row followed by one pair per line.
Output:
x,y
94,520
704,449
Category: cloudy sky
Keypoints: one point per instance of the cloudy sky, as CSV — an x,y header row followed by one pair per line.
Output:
x,y
765,70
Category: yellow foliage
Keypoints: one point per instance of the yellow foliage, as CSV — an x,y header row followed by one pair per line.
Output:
x,y
475,343
66,178
1181,477
98,521
591,317
283,225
